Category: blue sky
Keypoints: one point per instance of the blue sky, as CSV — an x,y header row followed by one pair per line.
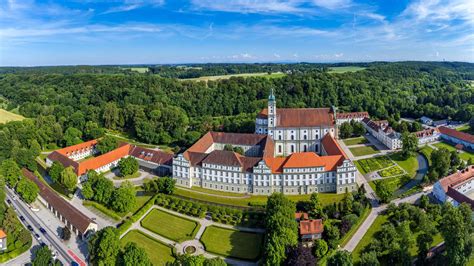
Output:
x,y
201,31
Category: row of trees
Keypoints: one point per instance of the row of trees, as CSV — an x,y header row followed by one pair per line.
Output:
x,y
12,176
101,189
351,129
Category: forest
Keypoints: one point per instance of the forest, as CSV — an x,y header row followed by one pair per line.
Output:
x,y
71,104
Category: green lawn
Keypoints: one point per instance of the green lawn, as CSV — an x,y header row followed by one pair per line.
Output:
x,y
6,116
232,243
392,171
141,200
373,164
463,155
466,129
218,192
374,228
426,151
325,198
410,165
135,175
345,69
355,141
170,226
159,253
364,150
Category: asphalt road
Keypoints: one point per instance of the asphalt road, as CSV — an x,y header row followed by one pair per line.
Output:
x,y
49,238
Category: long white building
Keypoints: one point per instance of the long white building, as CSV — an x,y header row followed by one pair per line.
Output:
x,y
294,151
456,188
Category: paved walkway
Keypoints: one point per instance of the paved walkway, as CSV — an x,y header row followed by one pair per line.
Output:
x,y
196,241
359,234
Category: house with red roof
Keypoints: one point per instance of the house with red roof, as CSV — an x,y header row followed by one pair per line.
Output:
x,y
311,229
84,156
3,240
349,117
457,137
456,188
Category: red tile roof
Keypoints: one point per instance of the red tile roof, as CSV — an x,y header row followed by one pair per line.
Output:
x,y
94,163
2,234
332,147
425,133
301,117
457,134
309,227
457,178
69,212
352,115
301,215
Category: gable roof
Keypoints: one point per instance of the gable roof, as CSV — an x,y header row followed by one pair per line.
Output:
x,y
426,132
309,227
458,178
301,117
228,158
332,147
158,157
352,115
2,234
457,134
80,221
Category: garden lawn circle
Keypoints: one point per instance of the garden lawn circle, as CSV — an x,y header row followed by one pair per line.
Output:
x,y
159,253
190,249
170,226
232,243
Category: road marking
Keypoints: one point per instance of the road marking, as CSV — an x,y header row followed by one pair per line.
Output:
x,y
76,258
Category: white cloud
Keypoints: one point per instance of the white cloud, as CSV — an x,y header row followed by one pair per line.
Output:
x,y
129,5
276,55
338,55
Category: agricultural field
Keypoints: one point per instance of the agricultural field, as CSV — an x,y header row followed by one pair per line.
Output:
x,y
345,69
325,198
141,70
159,253
170,226
392,171
6,116
364,150
355,141
373,164
265,75
232,243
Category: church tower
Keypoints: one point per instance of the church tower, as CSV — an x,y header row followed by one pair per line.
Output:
x,y
272,121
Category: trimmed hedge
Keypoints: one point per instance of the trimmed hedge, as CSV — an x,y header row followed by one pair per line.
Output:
x,y
102,209
218,214
126,224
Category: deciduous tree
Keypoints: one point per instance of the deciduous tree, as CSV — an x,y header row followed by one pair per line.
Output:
x,y
27,190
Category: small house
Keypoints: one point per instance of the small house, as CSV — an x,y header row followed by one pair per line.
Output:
x,y
311,229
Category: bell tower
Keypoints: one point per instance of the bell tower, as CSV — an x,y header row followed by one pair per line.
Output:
x,y
272,122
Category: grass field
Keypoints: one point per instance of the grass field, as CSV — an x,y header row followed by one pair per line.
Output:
x,y
325,198
170,226
367,238
6,116
217,192
364,150
159,253
410,165
426,151
232,243
392,171
373,164
265,75
355,141
345,69
466,129
463,155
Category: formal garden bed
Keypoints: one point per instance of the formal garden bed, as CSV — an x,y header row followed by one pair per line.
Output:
x,y
373,164
355,141
391,171
158,252
364,150
170,226
232,243
392,184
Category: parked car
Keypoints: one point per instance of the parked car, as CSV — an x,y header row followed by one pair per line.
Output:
x,y
73,263
22,218
38,237
42,244
9,201
29,228
42,230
